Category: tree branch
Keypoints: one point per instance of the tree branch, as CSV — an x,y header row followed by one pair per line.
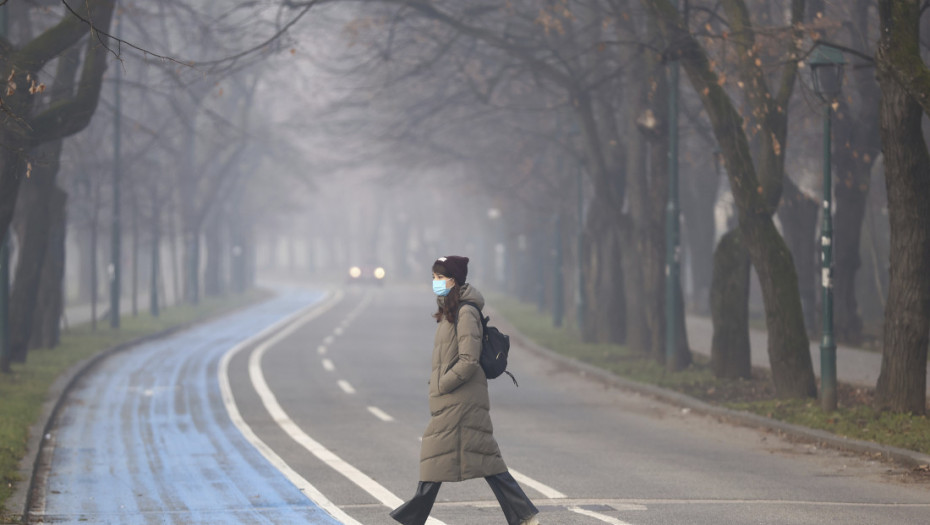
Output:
x,y
60,37
69,116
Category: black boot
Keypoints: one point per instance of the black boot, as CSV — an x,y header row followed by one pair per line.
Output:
x,y
416,511
516,506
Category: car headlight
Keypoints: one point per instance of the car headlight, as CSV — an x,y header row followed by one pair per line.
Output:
x,y
379,273
355,272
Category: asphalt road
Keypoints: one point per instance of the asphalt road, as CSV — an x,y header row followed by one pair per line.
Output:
x,y
309,408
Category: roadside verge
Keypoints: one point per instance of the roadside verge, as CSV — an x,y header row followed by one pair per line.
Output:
x,y
908,458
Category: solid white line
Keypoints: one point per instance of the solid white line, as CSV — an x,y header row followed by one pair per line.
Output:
x,y
372,487
345,386
380,414
328,365
233,410
545,490
597,515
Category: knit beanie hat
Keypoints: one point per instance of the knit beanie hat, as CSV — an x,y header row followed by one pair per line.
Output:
x,y
452,266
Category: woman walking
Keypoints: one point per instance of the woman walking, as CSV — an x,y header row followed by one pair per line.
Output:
x,y
459,441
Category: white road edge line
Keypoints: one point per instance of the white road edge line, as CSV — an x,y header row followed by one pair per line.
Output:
x,y
372,487
380,414
597,515
232,409
328,365
345,386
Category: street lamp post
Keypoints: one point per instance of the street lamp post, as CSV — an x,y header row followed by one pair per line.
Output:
x,y
116,240
672,218
827,74
558,295
4,263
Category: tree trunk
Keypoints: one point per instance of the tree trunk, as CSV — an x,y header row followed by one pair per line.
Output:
x,y
595,240
613,324
857,147
698,234
639,334
730,352
175,262
213,273
798,214
789,352
94,234
155,297
46,332
33,211
902,381
135,248
192,267
849,218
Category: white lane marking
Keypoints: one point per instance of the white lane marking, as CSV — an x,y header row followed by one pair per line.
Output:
x,y
545,490
284,421
380,414
338,330
597,516
328,365
328,340
321,350
233,410
345,386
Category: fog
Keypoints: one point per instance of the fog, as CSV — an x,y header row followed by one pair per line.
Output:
x,y
271,140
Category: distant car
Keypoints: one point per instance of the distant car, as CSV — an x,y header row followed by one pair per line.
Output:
x,y
368,274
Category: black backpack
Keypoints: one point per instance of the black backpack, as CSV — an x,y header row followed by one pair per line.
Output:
x,y
495,346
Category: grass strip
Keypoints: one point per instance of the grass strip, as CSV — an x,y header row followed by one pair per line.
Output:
x,y
855,417
25,389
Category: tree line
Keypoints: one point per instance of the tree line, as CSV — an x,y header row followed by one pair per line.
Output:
x,y
555,114
531,94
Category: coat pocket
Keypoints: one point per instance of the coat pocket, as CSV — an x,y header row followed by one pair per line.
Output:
x,y
451,364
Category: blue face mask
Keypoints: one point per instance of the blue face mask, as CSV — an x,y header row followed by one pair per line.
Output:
x,y
439,287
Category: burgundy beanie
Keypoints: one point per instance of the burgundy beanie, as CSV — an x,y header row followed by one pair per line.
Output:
x,y
452,266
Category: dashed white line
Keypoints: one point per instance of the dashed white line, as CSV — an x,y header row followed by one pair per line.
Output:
x,y
378,491
321,350
328,340
597,515
380,414
346,387
328,365
338,330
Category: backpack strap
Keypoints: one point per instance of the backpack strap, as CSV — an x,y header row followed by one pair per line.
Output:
x,y
480,313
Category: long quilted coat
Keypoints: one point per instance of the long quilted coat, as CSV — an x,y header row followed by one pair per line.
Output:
x,y
459,441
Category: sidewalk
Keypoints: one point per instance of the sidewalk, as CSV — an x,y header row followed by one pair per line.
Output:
x,y
853,366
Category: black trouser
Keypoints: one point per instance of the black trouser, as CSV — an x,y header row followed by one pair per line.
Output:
x,y
516,506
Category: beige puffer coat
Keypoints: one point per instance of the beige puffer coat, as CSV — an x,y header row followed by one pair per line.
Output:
x,y
459,441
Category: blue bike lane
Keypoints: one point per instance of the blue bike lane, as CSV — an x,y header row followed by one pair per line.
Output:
x,y
144,437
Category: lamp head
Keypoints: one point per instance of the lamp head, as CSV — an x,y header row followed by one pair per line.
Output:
x,y
826,63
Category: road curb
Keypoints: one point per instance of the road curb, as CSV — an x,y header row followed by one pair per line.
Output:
x,y
902,456
30,466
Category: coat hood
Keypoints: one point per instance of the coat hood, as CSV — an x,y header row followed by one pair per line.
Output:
x,y
467,293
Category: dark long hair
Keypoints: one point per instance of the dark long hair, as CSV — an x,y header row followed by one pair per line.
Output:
x,y
450,306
